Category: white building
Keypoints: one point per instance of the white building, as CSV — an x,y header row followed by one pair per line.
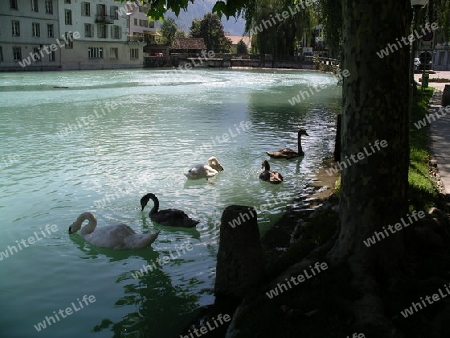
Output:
x,y
140,28
103,41
71,34
27,28
441,57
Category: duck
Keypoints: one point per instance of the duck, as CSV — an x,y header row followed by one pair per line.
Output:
x,y
169,217
270,176
200,171
288,152
117,236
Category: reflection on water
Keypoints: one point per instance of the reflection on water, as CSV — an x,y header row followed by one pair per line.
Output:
x,y
71,156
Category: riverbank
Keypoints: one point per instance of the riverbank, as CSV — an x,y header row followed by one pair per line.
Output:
x,y
289,238
325,306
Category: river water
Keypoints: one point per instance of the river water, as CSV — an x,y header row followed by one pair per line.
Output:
x,y
99,140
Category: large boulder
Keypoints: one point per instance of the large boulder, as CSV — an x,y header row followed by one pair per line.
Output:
x,y
240,263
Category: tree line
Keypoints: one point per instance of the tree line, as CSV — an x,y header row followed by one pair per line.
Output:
x,y
210,29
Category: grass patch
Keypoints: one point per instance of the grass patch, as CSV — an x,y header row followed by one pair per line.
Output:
x,y
328,296
423,191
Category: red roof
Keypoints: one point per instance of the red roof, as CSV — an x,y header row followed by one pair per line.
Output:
x,y
189,43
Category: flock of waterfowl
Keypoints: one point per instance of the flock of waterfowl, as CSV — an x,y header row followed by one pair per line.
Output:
x,y
121,236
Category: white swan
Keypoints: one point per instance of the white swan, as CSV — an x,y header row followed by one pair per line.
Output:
x,y
205,170
117,236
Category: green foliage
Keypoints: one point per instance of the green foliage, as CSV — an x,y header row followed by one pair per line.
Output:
x,y
157,8
330,16
423,191
241,47
337,186
168,30
438,11
275,33
210,28
180,34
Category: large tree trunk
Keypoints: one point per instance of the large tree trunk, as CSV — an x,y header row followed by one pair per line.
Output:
x,y
375,107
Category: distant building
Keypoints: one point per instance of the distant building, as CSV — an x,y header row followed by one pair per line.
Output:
x,y
236,38
193,46
103,42
27,26
72,34
140,28
441,57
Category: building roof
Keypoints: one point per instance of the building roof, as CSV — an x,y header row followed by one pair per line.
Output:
x,y
189,43
236,38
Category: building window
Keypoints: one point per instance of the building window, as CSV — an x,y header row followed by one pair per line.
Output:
x,y
135,22
34,6
114,12
52,56
69,39
151,24
17,53
101,10
101,32
88,30
36,29
67,2
95,52
85,9
15,28
68,17
36,52
50,31
1,54
13,4
114,53
115,32
49,6
134,53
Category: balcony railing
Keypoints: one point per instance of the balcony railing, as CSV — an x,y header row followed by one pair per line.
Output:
x,y
105,19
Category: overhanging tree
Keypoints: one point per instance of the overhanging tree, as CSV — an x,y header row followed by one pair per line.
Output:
x,y
273,33
374,191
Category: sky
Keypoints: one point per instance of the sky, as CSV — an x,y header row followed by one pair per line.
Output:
x,y
198,10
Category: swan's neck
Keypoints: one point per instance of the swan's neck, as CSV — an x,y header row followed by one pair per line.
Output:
x,y
155,205
299,140
92,222
266,166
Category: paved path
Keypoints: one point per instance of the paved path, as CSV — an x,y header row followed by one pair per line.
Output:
x,y
440,130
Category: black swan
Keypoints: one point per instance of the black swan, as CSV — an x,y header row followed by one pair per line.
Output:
x,y
169,217
288,152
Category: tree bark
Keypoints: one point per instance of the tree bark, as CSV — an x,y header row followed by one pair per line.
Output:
x,y
375,107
